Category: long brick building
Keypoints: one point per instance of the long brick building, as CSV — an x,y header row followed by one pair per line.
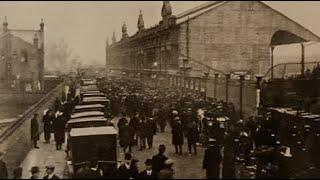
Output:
x,y
22,58
226,36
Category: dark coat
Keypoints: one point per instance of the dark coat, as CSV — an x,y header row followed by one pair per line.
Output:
x,y
53,177
47,122
134,123
59,129
158,162
3,170
192,134
211,162
142,131
151,128
87,173
177,134
126,137
35,134
125,173
144,175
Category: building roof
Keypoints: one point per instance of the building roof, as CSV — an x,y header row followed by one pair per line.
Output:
x,y
199,10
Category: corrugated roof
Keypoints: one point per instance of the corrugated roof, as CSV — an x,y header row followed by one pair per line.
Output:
x,y
194,12
197,8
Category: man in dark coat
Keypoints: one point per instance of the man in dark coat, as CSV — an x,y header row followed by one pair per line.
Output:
x,y
177,135
47,125
134,124
142,133
59,130
192,137
211,160
35,130
148,173
3,168
151,129
125,170
159,159
126,137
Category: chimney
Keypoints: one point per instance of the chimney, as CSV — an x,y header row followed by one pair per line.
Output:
x,y
42,25
5,24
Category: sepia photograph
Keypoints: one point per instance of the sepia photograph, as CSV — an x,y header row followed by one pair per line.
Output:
x,y
159,90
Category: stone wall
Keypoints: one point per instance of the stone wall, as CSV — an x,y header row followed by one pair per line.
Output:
x,y
17,144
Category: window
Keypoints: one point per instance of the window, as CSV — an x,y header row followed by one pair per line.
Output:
x,y
24,56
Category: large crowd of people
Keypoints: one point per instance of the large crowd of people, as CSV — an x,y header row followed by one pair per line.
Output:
x,y
144,111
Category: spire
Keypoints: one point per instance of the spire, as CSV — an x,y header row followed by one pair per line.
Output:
x,y
124,30
114,37
41,25
140,21
5,24
107,42
166,9
36,41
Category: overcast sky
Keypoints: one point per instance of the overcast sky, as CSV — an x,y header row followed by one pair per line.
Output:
x,y
86,25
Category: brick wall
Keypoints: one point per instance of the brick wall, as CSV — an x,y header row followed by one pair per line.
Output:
x,y
17,145
232,37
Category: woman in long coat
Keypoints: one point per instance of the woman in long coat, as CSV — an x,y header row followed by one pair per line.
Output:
x,y
177,135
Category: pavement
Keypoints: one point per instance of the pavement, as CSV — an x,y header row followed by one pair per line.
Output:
x,y
46,155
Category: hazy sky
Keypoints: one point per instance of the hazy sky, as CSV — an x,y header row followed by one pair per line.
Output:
x,y
86,25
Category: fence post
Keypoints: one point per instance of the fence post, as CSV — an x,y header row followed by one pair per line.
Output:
x,y
227,87
240,96
216,75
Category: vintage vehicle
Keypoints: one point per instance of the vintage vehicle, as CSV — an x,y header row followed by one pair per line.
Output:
x,y
88,122
95,100
87,114
88,107
89,91
93,94
100,146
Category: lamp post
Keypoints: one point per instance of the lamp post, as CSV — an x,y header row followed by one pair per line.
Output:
x,y
206,76
258,85
240,96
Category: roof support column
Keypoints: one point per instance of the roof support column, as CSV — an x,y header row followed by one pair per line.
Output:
x,y
272,48
302,59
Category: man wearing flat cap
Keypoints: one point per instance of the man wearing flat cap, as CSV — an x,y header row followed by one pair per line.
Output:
x,y
148,173
50,173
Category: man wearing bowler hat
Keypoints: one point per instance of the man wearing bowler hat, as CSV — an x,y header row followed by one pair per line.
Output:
x,y
50,173
148,173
